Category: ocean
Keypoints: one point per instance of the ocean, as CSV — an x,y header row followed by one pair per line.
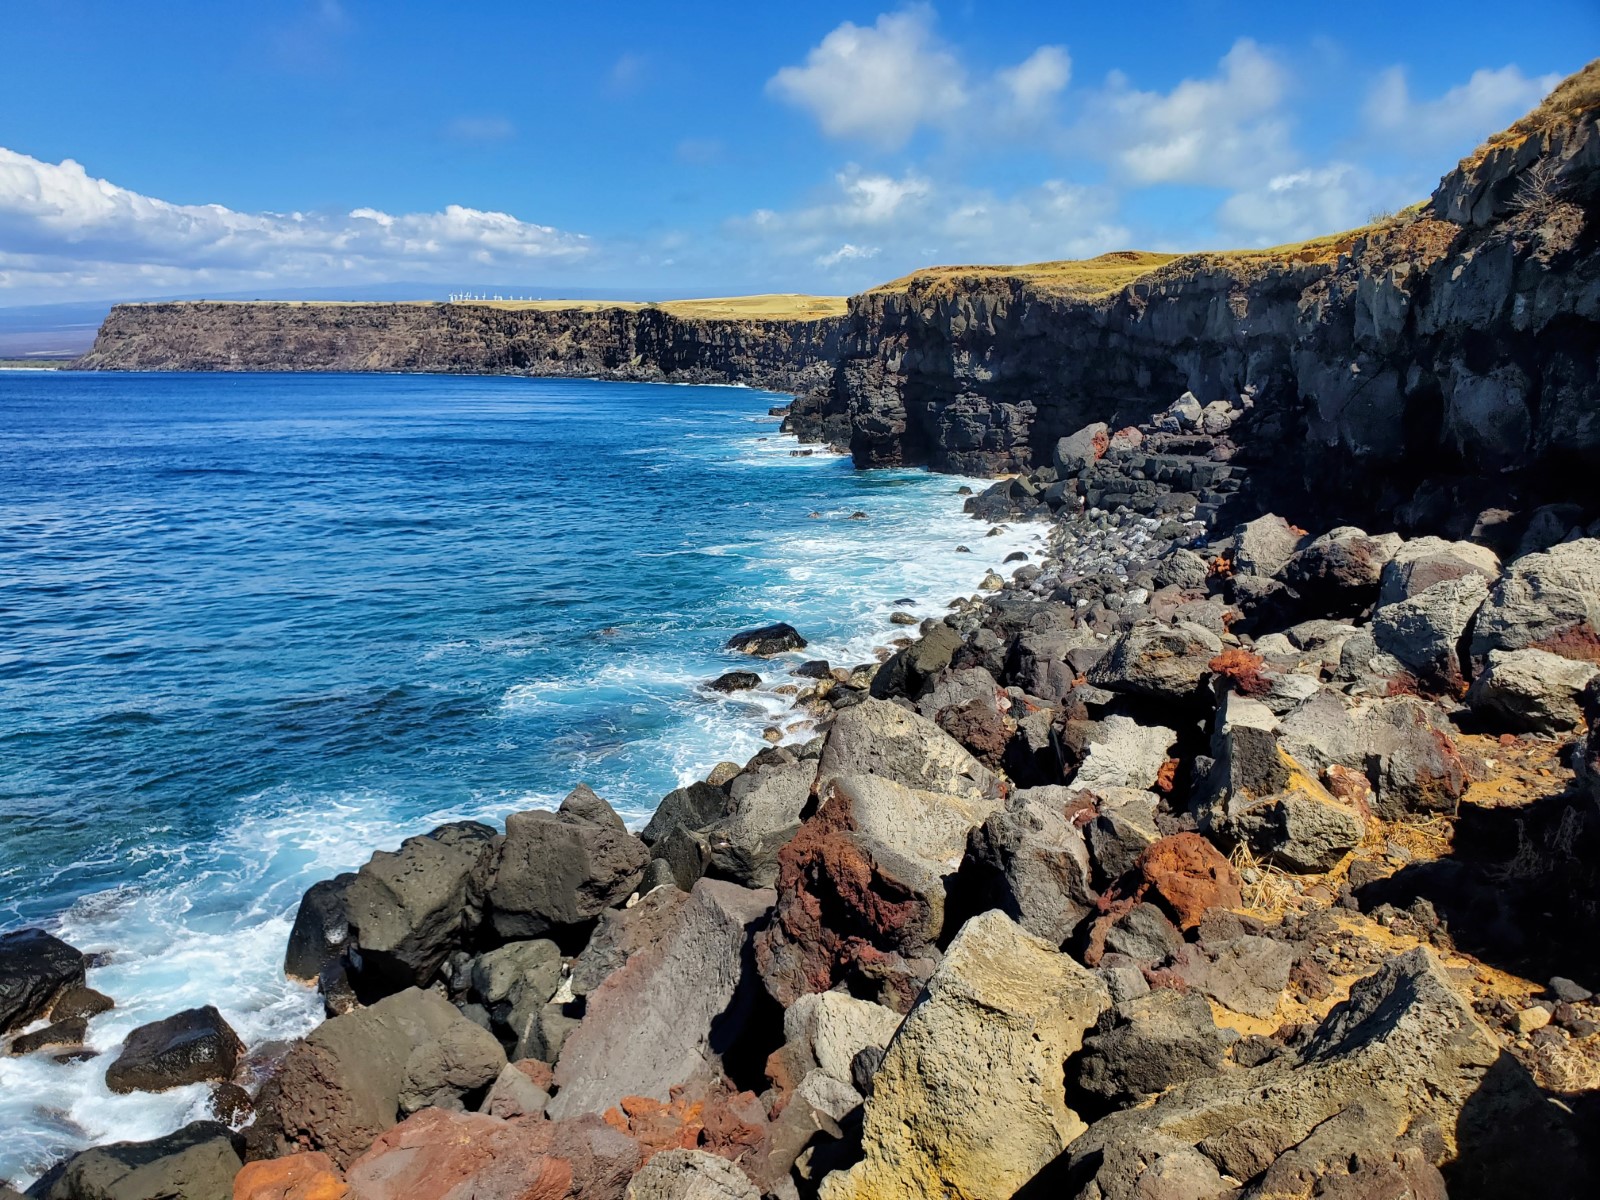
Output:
x,y
255,627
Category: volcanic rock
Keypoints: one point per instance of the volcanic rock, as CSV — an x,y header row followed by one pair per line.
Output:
x,y
194,1046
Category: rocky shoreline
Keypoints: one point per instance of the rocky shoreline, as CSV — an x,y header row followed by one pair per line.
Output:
x,y
1168,867
1207,857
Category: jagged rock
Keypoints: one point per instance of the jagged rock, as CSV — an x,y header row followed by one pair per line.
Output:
x,y
1352,1156
442,1155
622,933
649,1027
1530,691
820,1104
934,1127
198,1162
1263,547
914,669
1548,601
1183,568
690,1175
1338,573
194,1046
882,739
1426,631
1124,754
1142,934
1124,826
735,681
825,1031
766,641
307,1176
1413,758
980,730
555,872
1247,974
765,813
1147,1044
958,687
321,928
1422,562
861,890
515,1093
1029,861
1166,662
81,1002
407,909
1190,876
341,1086
501,975
36,968
1080,450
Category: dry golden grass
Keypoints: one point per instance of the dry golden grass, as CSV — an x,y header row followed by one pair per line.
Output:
x,y
1574,97
1086,278
790,306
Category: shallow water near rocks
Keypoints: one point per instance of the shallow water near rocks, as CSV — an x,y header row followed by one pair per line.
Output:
x,y
258,626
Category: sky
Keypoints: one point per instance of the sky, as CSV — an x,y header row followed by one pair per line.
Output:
x,y
195,148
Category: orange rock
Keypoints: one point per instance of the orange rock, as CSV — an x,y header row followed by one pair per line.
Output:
x,y
1190,875
309,1176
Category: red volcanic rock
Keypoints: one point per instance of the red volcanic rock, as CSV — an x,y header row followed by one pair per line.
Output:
x,y
732,1125
1189,875
438,1153
309,1176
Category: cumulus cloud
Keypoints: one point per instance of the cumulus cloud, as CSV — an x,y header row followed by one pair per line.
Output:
x,y
1307,203
1222,131
878,83
868,226
66,229
1461,117
1034,82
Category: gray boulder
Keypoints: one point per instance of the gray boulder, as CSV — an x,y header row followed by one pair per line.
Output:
x,y
514,1094
1263,547
690,1175
1339,572
1548,601
1029,861
198,1162
622,933
1426,632
1530,691
36,969
662,1020
1122,753
342,1085
1123,825
408,908
1165,662
193,1046
1147,1044
1247,974
555,872
1411,758
1080,450
1143,934
882,739
766,804
1422,562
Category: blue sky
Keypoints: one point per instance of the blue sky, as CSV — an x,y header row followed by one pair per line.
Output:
x,y
699,148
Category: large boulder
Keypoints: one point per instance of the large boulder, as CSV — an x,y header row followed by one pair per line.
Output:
x,y
321,930
442,1155
36,969
1163,662
1121,753
1405,1047
1338,573
862,890
911,671
824,1031
880,738
408,909
1548,601
555,872
937,1127
1411,758
198,1162
1148,1043
1530,691
1426,632
1081,450
354,1076
666,1016
1422,562
767,641
690,1175
1032,863
1261,548
766,804
194,1046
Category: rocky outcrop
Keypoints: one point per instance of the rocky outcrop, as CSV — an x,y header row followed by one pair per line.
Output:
x,y
198,1162
647,343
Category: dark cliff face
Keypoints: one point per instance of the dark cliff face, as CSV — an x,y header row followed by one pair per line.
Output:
x,y
1445,359
646,344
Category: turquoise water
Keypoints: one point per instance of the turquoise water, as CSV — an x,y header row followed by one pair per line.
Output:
x,y
255,627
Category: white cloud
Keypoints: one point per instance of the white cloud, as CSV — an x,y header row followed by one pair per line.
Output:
x,y
877,83
1457,120
65,231
869,226
1311,202
1034,82
1225,130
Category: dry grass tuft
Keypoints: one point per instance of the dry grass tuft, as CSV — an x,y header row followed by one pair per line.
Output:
x,y
1272,892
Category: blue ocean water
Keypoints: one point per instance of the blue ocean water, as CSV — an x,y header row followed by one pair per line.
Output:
x,y
254,627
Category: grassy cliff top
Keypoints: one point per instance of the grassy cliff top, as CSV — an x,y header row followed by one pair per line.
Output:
x,y
794,306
